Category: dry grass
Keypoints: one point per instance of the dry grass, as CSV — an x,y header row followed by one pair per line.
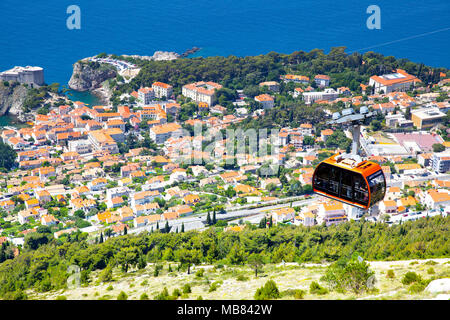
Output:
x,y
239,282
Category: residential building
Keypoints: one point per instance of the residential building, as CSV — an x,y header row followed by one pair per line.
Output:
x,y
162,90
331,212
440,162
266,100
201,91
328,94
398,81
161,133
146,95
271,85
322,80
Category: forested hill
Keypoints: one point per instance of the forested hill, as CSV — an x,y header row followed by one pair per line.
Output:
x,y
243,72
43,263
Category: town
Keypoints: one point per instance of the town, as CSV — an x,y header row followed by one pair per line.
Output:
x,y
161,161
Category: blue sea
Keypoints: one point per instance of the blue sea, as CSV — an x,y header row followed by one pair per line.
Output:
x,y
35,32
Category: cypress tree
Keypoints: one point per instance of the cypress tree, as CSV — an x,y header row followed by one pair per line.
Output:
x,y
214,219
101,237
157,225
166,227
270,222
208,220
182,227
125,230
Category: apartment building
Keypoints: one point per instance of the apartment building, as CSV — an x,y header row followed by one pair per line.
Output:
x,y
201,91
162,90
440,162
328,94
146,95
161,133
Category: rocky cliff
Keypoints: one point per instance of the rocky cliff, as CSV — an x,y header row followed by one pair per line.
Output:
x,y
12,98
90,75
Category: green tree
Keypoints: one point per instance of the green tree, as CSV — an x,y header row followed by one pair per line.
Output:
x,y
438,147
188,257
256,261
268,292
7,156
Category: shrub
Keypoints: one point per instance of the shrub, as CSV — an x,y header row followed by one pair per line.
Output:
x,y
268,291
199,273
296,293
163,295
199,298
431,263
122,296
144,283
61,298
413,263
187,288
431,270
241,277
417,287
299,294
316,288
144,296
390,274
214,286
176,293
110,287
411,277
353,275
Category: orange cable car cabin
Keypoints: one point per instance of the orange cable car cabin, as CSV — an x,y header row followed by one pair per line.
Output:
x,y
358,184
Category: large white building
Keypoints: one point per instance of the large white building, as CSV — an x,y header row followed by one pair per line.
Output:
x,y
331,212
34,76
201,91
440,162
79,146
328,94
162,90
398,81
161,133
146,95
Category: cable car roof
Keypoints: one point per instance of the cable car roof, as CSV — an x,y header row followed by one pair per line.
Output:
x,y
358,165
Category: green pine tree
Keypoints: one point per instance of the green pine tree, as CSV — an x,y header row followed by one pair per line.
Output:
x,y
166,227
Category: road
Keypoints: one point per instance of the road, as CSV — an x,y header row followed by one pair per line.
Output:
x,y
196,222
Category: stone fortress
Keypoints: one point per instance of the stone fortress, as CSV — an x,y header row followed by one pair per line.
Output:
x,y
33,76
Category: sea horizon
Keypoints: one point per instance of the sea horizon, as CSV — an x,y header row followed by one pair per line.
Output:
x,y
144,27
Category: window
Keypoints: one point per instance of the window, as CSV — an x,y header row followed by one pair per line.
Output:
x,y
377,186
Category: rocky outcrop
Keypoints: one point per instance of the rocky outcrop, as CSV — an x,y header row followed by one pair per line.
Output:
x,y
157,56
12,98
90,75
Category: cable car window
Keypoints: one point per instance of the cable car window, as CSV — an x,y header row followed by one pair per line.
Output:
x,y
327,179
377,186
335,180
347,185
361,192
